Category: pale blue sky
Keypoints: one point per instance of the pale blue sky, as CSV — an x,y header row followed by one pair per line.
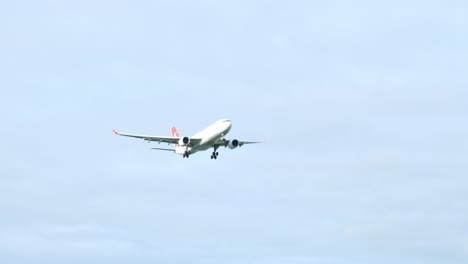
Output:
x,y
363,105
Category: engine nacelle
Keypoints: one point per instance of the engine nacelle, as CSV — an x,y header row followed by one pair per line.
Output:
x,y
233,144
184,141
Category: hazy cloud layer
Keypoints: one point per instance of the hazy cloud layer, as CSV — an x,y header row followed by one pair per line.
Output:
x,y
363,106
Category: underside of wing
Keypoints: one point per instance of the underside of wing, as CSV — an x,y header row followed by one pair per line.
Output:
x,y
169,140
249,142
233,143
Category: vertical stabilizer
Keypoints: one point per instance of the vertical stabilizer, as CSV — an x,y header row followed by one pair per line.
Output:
x,y
175,134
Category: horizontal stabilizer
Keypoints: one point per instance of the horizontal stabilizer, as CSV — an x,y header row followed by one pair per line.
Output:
x,y
166,149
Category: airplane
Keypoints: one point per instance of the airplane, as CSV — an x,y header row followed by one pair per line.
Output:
x,y
210,137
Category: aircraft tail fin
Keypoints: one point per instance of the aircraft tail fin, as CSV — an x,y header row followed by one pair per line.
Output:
x,y
175,133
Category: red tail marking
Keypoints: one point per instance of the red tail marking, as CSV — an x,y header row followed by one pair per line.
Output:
x,y
175,134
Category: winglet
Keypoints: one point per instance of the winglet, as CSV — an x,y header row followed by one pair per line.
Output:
x,y
115,132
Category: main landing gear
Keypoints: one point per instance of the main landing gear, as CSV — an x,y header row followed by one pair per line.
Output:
x,y
186,154
215,154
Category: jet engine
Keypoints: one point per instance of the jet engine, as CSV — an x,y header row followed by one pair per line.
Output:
x,y
184,141
233,144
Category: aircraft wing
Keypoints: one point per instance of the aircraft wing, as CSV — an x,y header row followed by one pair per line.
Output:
x,y
224,142
169,140
249,142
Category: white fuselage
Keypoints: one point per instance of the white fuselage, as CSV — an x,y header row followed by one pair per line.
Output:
x,y
208,137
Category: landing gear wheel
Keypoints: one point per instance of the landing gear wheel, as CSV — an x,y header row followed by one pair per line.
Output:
x,y
215,154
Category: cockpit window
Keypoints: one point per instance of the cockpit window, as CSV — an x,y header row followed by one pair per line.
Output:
x,y
228,121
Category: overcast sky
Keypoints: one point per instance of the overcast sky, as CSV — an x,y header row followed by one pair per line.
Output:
x,y
363,105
